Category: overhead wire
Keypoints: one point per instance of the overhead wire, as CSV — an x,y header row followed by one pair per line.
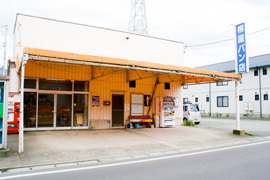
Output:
x,y
222,41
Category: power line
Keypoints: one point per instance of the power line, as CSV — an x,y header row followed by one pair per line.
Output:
x,y
225,40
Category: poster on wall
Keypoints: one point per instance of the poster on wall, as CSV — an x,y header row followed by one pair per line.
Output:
x,y
147,100
95,101
176,105
127,107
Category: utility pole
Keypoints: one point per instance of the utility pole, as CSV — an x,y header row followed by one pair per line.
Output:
x,y
5,45
137,21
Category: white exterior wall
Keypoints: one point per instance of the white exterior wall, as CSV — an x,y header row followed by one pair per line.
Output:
x,y
14,79
248,89
61,36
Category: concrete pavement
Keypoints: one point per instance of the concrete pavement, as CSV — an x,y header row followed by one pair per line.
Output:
x,y
258,127
62,148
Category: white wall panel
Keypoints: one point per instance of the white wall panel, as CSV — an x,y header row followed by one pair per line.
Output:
x,y
74,38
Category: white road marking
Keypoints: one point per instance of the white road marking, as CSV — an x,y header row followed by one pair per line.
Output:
x,y
131,162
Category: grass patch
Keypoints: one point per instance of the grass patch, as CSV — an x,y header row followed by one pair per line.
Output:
x,y
249,134
189,123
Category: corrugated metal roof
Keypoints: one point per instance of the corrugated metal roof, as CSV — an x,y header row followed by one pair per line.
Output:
x,y
229,66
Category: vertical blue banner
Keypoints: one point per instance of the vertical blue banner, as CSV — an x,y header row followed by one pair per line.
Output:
x,y
1,112
242,60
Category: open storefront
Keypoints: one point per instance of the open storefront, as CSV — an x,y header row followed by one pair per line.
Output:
x,y
96,78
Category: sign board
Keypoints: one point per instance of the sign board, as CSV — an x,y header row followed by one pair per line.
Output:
x,y
241,49
126,107
95,101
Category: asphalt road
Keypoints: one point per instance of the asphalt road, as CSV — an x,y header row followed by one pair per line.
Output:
x,y
249,161
253,126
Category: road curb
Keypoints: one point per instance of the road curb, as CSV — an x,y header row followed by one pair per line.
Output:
x,y
47,166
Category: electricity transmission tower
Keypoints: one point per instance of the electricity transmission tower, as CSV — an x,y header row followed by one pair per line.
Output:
x,y
137,21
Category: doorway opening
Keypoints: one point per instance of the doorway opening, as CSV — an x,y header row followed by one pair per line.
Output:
x,y
117,110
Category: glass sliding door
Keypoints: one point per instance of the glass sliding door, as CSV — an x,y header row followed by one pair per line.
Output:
x,y
30,101
80,110
64,109
45,110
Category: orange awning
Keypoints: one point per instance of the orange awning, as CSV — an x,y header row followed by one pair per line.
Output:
x,y
192,75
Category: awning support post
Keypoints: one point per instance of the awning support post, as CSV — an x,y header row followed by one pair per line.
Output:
x,y
237,106
21,125
237,111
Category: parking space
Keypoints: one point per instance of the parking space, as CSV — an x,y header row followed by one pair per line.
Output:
x,y
253,126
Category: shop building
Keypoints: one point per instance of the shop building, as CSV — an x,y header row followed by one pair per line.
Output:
x,y
75,76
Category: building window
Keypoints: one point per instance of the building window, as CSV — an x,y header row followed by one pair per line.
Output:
x,y
256,72
241,98
57,85
30,107
81,86
257,97
265,97
30,83
185,100
222,101
222,83
264,71
196,99
167,86
207,99
132,84
185,86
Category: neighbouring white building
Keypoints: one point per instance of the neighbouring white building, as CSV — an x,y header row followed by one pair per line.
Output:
x,y
218,98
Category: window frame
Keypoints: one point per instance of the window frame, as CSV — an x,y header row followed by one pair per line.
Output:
x,y
223,101
264,71
256,72
257,97
222,83
265,97
241,98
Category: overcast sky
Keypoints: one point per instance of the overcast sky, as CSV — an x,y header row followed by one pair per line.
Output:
x,y
192,22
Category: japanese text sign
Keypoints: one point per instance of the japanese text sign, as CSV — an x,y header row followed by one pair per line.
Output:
x,y
242,59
